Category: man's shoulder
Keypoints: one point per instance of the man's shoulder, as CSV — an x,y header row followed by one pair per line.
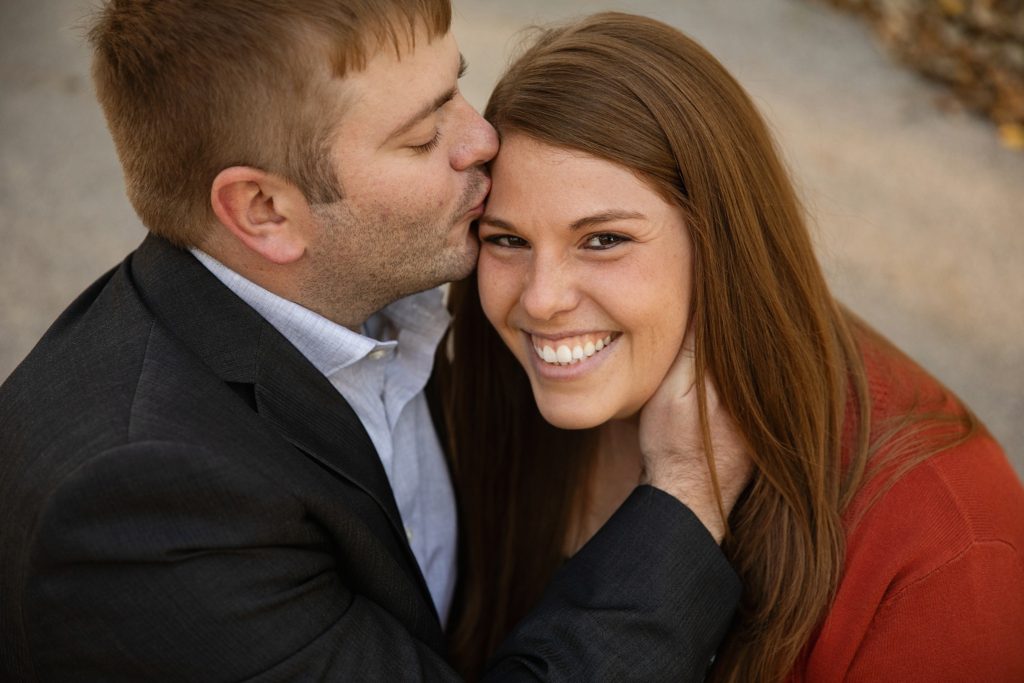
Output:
x,y
105,374
82,364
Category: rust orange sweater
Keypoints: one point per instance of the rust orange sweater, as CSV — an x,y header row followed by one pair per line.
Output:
x,y
933,586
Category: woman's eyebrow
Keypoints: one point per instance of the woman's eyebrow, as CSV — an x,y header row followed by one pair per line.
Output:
x,y
593,219
606,217
496,222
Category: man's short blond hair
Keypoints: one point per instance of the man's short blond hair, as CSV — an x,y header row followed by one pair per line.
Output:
x,y
191,88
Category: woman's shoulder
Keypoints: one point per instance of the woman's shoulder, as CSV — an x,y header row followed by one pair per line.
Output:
x,y
936,480
904,525
931,586
898,386
935,544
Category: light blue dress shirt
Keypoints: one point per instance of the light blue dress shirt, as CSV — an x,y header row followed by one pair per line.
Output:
x,y
381,374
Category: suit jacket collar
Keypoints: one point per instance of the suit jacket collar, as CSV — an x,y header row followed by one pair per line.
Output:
x,y
241,347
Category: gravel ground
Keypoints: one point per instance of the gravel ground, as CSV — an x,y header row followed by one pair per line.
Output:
x,y
919,213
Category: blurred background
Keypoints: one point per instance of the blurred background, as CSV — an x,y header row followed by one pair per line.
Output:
x,y
917,204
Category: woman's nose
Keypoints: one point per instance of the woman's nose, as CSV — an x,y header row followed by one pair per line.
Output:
x,y
550,289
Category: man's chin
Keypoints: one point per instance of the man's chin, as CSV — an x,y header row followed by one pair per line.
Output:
x,y
458,264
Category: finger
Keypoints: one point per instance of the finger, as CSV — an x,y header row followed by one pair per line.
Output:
x,y
681,375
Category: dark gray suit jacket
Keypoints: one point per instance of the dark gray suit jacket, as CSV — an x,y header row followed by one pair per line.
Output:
x,y
184,497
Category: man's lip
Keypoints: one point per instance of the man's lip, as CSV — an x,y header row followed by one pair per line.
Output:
x,y
478,208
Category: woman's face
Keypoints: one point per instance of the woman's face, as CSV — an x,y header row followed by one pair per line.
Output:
x,y
585,272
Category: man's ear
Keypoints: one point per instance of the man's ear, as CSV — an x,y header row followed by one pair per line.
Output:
x,y
266,213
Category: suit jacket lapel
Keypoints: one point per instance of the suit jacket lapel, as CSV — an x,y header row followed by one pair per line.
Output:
x,y
313,416
241,347
309,412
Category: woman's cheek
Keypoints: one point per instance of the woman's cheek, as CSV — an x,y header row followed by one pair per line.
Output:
x,y
494,289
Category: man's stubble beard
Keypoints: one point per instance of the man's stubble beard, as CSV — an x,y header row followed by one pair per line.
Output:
x,y
358,268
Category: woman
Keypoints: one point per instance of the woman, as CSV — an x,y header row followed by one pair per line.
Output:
x,y
638,196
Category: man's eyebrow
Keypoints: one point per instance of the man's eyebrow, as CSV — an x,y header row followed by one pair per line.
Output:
x,y
428,109
586,221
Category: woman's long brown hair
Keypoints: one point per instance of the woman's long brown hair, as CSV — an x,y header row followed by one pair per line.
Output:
x,y
640,94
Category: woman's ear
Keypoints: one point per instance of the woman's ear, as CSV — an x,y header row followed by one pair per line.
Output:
x,y
267,214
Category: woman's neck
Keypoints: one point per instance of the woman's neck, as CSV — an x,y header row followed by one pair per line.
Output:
x,y
613,474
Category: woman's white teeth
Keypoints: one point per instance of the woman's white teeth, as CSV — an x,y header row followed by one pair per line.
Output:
x,y
566,355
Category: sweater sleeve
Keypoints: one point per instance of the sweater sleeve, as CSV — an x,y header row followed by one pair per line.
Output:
x,y
963,621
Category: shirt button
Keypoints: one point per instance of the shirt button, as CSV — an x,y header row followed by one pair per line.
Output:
x,y
378,354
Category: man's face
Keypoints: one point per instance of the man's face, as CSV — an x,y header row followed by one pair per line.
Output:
x,y
409,154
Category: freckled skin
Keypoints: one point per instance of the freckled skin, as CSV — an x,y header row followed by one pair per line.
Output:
x,y
538,275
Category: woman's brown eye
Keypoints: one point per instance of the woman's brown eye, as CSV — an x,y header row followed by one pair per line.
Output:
x,y
605,241
509,241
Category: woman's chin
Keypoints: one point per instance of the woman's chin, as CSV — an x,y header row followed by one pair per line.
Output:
x,y
566,414
571,417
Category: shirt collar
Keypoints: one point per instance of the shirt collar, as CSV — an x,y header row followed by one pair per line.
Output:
x,y
330,347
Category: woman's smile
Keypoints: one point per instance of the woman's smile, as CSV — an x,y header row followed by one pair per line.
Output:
x,y
585,272
570,350
585,355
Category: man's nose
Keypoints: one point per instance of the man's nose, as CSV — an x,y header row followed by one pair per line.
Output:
x,y
478,137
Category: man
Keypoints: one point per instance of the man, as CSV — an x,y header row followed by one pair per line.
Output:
x,y
219,463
